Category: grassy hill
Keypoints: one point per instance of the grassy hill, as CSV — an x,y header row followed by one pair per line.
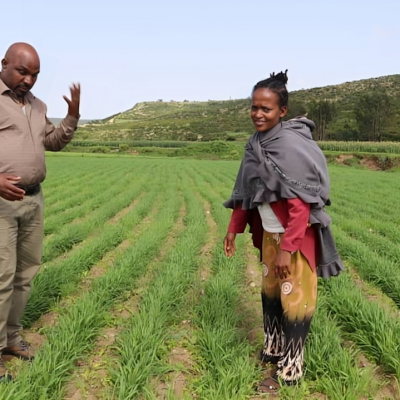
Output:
x,y
346,94
230,119
56,121
174,121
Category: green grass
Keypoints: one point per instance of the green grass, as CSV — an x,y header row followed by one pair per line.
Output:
x,y
142,344
222,351
87,222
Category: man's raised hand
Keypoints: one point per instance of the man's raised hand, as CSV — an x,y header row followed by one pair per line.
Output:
x,y
73,104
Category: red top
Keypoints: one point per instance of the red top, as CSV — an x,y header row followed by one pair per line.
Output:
x,y
293,214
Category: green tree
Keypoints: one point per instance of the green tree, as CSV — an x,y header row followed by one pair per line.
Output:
x,y
322,112
296,108
373,112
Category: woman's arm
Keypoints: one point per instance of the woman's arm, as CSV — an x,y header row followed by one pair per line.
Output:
x,y
238,220
237,225
298,217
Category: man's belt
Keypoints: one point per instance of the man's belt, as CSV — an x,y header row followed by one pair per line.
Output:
x,y
30,190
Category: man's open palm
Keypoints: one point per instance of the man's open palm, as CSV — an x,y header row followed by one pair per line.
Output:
x,y
73,104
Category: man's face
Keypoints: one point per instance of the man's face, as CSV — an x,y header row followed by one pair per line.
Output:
x,y
20,72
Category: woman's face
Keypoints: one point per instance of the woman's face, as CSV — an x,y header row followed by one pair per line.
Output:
x,y
266,111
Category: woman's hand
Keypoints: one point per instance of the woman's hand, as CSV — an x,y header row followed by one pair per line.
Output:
x,y
282,264
229,244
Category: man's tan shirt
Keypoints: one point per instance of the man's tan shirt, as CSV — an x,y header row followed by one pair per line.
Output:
x,y
24,137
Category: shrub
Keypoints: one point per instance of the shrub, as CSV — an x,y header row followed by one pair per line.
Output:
x,y
99,149
384,162
123,147
219,147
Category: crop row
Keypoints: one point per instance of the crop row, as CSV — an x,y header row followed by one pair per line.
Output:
x,y
341,146
61,276
80,323
73,178
142,345
221,352
227,371
363,147
106,206
82,200
325,351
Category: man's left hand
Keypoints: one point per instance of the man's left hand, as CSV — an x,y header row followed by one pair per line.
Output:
x,y
73,104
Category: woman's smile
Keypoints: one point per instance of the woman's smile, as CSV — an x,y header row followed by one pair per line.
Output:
x,y
266,111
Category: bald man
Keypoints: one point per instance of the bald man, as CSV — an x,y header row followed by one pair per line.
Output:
x,y
25,134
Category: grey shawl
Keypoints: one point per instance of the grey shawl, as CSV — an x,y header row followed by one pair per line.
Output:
x,y
284,163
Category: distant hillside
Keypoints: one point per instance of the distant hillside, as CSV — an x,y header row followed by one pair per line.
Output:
x,y
56,121
346,95
230,119
173,121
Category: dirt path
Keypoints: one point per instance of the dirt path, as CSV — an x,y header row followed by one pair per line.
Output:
x,y
180,357
91,378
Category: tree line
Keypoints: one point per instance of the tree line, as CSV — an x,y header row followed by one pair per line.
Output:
x,y
371,115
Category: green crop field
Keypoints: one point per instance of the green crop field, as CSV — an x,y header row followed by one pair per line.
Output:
x,y
135,299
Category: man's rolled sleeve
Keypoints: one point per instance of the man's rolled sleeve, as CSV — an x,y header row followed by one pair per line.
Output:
x,y
299,215
57,138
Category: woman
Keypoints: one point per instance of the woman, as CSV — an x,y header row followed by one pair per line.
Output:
x,y
280,191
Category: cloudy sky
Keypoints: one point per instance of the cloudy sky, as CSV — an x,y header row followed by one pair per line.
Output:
x,y
127,51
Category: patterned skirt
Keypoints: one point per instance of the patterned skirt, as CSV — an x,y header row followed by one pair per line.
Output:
x,y
288,307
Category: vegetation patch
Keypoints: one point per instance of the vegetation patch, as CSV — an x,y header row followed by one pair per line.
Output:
x,y
144,304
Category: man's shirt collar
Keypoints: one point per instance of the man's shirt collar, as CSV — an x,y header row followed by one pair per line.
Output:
x,y
5,89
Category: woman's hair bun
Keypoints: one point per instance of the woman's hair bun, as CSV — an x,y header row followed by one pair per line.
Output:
x,y
277,84
281,77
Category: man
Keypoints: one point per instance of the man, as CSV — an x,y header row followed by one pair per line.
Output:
x,y
25,134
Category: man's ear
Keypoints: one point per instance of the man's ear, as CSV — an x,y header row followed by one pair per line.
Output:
x,y
4,63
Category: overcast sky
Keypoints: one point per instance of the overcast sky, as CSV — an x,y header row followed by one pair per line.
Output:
x,y
127,51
